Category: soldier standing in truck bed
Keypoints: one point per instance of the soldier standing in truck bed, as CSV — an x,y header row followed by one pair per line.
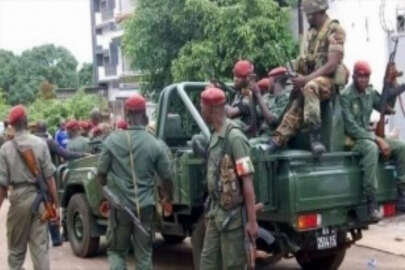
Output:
x,y
24,228
77,143
230,185
321,73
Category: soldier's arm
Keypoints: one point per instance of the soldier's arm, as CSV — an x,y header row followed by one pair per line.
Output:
x,y
268,116
4,178
282,104
48,170
163,169
244,168
335,54
65,154
353,129
232,112
103,165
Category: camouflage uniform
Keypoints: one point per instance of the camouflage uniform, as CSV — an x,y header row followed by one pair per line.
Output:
x,y
223,247
357,109
242,101
79,144
149,158
277,104
24,227
305,112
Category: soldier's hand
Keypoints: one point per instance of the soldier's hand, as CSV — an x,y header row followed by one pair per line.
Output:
x,y
299,81
252,230
384,147
167,207
390,110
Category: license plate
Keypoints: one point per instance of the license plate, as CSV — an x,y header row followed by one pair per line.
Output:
x,y
326,239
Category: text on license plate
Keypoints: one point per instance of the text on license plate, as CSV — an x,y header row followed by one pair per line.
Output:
x,y
328,239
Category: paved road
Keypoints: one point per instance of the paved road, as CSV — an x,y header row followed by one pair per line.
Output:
x,y
179,257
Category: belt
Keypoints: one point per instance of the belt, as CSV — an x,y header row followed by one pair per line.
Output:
x,y
20,185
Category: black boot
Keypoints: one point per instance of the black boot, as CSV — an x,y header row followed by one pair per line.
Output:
x,y
317,147
273,146
372,208
401,200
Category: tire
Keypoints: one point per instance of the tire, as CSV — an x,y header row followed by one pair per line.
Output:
x,y
321,260
79,224
173,239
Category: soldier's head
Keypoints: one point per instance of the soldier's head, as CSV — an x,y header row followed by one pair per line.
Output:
x,y
315,11
278,77
361,75
73,128
95,116
85,127
18,118
135,110
41,128
213,105
264,85
241,71
121,124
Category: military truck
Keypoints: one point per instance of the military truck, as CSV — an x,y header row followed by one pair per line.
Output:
x,y
315,209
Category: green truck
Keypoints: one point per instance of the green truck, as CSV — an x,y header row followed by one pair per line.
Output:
x,y
315,209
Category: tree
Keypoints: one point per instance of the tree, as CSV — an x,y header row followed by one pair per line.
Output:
x,y
8,71
4,107
198,39
44,63
86,75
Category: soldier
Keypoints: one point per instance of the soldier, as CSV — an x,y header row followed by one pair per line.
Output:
x,y
241,107
321,73
77,143
358,101
122,124
272,105
128,164
23,226
230,185
85,127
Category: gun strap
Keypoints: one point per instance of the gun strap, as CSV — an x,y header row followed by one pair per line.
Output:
x,y
21,156
131,160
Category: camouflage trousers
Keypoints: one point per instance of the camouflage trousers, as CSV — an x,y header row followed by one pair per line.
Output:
x,y
369,152
26,229
122,233
223,249
304,111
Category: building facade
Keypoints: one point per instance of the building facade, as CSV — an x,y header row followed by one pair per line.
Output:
x,y
111,68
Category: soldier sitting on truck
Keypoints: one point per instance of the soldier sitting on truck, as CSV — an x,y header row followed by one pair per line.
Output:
x,y
321,73
271,105
240,109
77,143
358,101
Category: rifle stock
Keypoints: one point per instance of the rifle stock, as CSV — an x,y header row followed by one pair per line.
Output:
x,y
50,213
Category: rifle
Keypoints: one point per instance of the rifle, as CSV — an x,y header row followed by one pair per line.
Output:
x,y
223,85
249,243
118,204
50,212
391,90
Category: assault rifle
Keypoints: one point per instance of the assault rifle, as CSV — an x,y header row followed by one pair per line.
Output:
x,y
43,196
391,90
118,204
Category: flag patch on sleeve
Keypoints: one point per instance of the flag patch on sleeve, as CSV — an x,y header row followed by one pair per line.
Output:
x,y
244,166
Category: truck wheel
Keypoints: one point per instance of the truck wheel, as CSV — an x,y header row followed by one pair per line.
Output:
x,y
173,239
79,224
319,261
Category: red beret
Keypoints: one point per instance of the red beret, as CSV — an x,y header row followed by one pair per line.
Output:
x,y
16,113
84,124
362,68
264,84
96,131
213,96
72,125
136,102
278,71
243,68
122,124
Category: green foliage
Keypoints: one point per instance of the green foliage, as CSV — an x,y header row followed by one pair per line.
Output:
x,y
4,107
22,76
53,110
198,39
86,75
